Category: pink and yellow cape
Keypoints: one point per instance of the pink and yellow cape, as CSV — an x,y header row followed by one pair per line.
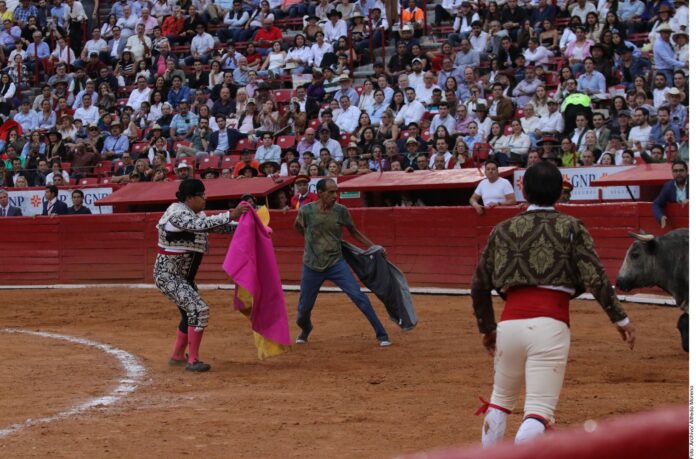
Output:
x,y
251,264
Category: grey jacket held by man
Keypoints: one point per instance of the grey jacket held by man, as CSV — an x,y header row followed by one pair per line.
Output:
x,y
384,280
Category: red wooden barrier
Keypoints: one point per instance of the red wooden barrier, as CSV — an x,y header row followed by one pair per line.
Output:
x,y
656,434
436,247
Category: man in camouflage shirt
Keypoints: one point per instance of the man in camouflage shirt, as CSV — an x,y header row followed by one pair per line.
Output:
x,y
322,223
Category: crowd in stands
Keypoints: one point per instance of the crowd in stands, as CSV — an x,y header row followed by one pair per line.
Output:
x,y
218,89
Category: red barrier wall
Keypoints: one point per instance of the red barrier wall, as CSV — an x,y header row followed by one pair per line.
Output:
x,y
433,246
655,434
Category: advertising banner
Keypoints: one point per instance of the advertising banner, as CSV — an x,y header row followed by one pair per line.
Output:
x,y
31,200
581,177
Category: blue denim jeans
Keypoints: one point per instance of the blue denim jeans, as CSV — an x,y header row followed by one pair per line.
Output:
x,y
341,275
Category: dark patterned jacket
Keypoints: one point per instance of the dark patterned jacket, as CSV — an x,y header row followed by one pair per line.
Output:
x,y
540,247
192,229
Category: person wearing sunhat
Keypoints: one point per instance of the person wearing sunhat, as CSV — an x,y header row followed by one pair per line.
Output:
x,y
269,168
56,146
303,196
115,144
184,171
665,57
210,173
630,65
182,239
656,13
681,47
480,114
549,151
566,190
353,153
678,113
335,27
247,172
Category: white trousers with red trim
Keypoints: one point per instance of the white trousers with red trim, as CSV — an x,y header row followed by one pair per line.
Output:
x,y
533,352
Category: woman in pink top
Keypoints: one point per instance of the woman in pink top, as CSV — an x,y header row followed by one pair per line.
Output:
x,y
578,50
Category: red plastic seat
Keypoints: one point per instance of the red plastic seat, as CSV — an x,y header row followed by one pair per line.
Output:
x,y
482,151
209,162
66,166
229,161
184,143
103,168
243,144
286,141
282,95
139,147
88,181
344,140
314,124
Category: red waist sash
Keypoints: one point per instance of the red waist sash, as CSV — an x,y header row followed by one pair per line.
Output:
x,y
530,302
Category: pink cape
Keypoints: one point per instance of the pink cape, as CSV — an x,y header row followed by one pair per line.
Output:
x,y
251,264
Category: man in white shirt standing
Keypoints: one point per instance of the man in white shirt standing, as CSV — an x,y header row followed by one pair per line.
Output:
x,y
492,191
202,46
412,111
639,135
348,115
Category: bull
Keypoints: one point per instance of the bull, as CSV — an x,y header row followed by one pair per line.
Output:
x,y
661,261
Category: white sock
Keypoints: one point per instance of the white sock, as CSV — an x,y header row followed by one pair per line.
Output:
x,y
529,429
493,427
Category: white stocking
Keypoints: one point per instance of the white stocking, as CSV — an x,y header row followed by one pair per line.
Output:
x,y
529,429
494,426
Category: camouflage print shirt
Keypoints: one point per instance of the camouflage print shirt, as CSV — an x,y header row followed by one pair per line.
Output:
x,y
322,233
540,247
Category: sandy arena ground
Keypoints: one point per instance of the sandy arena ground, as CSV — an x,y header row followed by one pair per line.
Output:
x,y
339,396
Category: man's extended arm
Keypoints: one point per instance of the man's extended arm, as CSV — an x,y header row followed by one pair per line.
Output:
x,y
299,227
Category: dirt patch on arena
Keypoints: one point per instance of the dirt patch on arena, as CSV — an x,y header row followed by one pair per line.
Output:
x,y
339,396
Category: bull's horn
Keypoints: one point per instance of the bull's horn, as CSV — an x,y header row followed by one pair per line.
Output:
x,y
642,237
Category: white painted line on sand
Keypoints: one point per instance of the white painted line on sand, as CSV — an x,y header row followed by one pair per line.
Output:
x,y
134,373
